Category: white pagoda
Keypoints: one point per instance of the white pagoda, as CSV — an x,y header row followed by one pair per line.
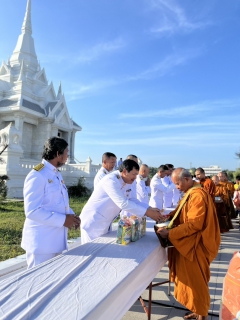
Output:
x,y
31,112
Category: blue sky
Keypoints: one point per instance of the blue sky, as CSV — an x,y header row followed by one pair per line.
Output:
x,y
156,78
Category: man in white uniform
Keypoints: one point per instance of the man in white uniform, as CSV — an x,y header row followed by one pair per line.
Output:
x,y
46,203
167,196
176,196
170,199
111,195
133,194
143,184
108,164
157,188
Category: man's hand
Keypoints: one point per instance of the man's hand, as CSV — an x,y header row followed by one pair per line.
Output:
x,y
72,221
154,214
147,183
163,232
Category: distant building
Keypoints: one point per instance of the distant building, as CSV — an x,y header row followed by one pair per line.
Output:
x,y
212,170
30,113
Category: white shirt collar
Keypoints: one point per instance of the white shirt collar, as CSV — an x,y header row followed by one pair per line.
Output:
x,y
49,165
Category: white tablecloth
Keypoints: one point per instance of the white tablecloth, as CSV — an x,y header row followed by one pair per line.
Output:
x,y
98,280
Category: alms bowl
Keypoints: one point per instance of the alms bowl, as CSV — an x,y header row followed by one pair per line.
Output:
x,y
162,224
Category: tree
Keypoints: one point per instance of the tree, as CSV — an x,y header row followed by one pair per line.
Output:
x,y
230,174
192,171
79,190
152,171
236,173
237,154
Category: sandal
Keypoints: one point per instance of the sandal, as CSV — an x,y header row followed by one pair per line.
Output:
x,y
190,315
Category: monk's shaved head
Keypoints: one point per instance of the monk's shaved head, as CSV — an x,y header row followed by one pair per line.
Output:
x,y
182,179
143,167
181,173
200,174
223,176
215,179
144,170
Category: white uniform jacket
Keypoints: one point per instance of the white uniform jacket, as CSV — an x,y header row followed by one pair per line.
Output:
x,y
167,196
46,204
143,191
157,189
111,195
176,196
133,197
100,174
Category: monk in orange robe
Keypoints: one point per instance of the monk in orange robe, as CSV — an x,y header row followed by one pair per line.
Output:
x,y
223,178
222,206
196,240
205,182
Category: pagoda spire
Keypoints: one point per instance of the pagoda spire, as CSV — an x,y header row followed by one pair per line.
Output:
x,y
59,90
27,23
25,45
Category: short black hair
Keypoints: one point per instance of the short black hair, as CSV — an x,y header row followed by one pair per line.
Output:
x,y
132,156
200,169
169,165
162,167
54,146
129,165
108,155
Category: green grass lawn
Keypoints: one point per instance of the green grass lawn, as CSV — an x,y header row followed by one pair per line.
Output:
x,y
11,224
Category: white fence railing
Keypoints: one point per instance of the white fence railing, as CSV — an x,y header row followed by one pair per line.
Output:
x,y
86,167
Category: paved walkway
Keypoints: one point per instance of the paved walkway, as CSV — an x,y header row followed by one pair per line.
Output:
x,y
230,242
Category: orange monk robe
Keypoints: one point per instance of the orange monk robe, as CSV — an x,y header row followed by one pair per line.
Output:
x,y
229,185
222,208
222,191
229,189
209,185
196,241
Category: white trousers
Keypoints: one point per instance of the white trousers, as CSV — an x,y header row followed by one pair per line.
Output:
x,y
35,259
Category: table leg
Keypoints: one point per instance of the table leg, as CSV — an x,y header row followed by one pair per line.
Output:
x,y
143,305
148,310
150,301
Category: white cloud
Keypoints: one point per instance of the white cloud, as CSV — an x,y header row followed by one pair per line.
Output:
x,y
78,91
166,65
100,49
194,125
158,70
174,19
87,55
193,139
183,111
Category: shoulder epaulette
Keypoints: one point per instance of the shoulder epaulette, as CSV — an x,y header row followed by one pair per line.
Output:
x,y
39,167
